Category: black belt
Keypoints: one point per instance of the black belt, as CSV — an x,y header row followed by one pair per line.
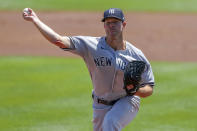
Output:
x,y
105,102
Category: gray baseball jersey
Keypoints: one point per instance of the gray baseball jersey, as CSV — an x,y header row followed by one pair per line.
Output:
x,y
106,65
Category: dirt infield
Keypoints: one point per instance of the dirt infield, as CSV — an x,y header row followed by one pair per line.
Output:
x,y
161,36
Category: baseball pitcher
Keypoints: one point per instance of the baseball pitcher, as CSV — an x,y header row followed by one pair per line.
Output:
x,y
119,71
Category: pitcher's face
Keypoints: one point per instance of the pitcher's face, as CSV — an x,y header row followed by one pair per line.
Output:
x,y
113,26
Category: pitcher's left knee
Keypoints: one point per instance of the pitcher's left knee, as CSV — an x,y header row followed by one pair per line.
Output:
x,y
111,124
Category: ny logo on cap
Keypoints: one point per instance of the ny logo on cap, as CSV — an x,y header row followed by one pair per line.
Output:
x,y
111,11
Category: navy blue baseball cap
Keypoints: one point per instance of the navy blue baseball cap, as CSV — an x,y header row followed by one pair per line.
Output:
x,y
113,13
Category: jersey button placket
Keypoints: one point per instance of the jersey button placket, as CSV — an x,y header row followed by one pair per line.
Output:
x,y
115,69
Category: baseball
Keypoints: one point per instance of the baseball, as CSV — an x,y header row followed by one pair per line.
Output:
x,y
27,11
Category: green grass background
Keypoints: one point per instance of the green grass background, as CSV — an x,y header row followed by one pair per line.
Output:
x,y
49,93
100,5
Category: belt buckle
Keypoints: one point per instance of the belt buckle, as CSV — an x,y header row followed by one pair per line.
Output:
x,y
98,100
101,101
104,101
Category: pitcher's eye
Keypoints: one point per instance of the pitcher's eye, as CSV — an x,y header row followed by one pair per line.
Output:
x,y
114,22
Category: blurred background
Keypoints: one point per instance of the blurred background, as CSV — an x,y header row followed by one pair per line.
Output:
x,y
38,88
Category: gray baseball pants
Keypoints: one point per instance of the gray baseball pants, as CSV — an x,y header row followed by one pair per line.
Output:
x,y
116,117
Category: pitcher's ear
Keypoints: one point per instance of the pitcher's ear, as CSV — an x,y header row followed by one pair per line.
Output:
x,y
124,24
